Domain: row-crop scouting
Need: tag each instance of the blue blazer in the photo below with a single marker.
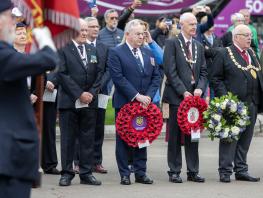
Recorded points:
(127, 77)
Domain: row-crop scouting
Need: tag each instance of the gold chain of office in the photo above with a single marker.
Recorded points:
(249, 67)
(191, 61)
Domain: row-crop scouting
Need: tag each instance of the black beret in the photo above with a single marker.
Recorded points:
(5, 5)
(19, 25)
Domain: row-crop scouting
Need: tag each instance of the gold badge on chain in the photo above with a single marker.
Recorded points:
(253, 73)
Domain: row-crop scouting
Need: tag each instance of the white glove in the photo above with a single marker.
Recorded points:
(43, 38)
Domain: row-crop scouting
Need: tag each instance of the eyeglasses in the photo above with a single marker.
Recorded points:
(246, 35)
(240, 20)
(94, 26)
(112, 18)
(139, 33)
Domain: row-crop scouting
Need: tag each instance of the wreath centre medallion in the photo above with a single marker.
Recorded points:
(193, 115)
(139, 123)
(190, 114)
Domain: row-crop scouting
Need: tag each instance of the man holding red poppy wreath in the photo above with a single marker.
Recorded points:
(185, 68)
(237, 70)
(136, 77)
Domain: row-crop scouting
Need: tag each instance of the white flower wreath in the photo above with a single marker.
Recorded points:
(226, 118)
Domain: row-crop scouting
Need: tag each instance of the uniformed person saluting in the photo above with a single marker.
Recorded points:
(18, 133)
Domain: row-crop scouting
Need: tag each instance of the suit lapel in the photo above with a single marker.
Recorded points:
(240, 60)
(145, 60)
(255, 62)
(195, 66)
(181, 38)
(75, 53)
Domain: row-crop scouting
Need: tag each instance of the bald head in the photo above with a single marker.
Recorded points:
(188, 24)
(242, 36)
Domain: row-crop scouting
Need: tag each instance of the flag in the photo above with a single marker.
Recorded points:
(61, 17)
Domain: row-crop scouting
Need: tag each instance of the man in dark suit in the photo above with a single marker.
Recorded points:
(102, 51)
(49, 160)
(185, 68)
(211, 43)
(19, 148)
(230, 73)
(79, 82)
(136, 77)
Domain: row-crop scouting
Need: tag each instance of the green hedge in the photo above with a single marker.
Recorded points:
(110, 114)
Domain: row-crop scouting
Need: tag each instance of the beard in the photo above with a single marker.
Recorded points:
(8, 33)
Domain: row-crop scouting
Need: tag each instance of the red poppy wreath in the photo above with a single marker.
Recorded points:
(190, 114)
(137, 125)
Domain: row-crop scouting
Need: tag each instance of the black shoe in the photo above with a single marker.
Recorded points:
(246, 177)
(194, 177)
(175, 178)
(90, 180)
(65, 180)
(52, 171)
(143, 179)
(225, 178)
(125, 180)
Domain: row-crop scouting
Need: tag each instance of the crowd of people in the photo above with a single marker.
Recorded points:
(127, 58)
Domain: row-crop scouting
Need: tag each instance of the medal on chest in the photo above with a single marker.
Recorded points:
(249, 68)
(253, 73)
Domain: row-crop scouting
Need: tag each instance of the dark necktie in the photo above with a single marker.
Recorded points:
(92, 44)
(84, 60)
(137, 58)
(188, 50)
(245, 56)
(189, 57)
(80, 47)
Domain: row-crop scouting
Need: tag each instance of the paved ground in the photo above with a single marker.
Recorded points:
(157, 167)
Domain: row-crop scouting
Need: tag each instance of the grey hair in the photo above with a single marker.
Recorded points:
(131, 24)
(108, 12)
(236, 30)
(89, 19)
(236, 16)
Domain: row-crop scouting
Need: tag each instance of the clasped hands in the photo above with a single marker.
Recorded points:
(144, 100)
(86, 97)
(197, 92)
